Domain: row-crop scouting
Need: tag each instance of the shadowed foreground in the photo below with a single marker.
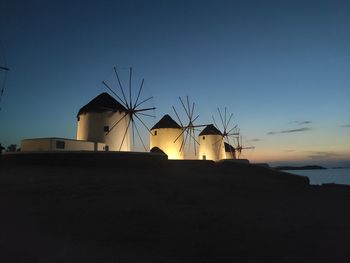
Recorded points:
(177, 212)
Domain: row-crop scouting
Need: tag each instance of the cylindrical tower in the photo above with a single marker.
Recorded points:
(163, 136)
(96, 120)
(211, 144)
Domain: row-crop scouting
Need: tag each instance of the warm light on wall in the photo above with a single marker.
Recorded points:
(164, 139)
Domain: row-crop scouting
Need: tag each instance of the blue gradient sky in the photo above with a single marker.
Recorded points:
(274, 64)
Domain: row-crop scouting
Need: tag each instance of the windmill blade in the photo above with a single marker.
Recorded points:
(143, 124)
(216, 126)
(138, 95)
(218, 141)
(192, 111)
(188, 107)
(229, 120)
(232, 129)
(4, 68)
(116, 123)
(120, 85)
(177, 116)
(183, 143)
(115, 94)
(133, 133)
(183, 105)
(138, 133)
(192, 136)
(130, 74)
(225, 120)
(222, 121)
(195, 119)
(145, 109)
(147, 115)
(126, 130)
(194, 144)
(143, 101)
(183, 130)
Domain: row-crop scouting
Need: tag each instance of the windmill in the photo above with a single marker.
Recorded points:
(240, 147)
(188, 126)
(229, 133)
(135, 109)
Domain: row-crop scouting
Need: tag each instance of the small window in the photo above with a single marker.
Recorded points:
(155, 133)
(60, 144)
(204, 157)
(203, 137)
(106, 148)
(106, 128)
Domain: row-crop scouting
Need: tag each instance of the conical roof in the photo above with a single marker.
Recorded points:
(210, 130)
(229, 148)
(103, 102)
(166, 122)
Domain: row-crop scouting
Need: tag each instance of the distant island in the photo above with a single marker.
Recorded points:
(306, 167)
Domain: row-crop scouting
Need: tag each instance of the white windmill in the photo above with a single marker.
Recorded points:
(114, 121)
(187, 137)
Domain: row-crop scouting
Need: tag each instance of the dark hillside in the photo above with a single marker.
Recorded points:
(173, 212)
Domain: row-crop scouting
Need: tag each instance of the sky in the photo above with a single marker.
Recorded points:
(281, 67)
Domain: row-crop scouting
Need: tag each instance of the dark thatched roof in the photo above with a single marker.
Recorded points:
(103, 102)
(210, 130)
(166, 122)
(229, 148)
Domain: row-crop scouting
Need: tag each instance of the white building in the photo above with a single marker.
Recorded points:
(104, 120)
(59, 144)
(163, 135)
(211, 144)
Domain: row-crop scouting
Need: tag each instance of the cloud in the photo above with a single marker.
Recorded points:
(301, 122)
(289, 131)
(345, 126)
(256, 140)
(322, 155)
(289, 151)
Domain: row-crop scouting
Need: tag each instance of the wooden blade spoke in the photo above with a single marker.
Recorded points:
(116, 123)
(183, 144)
(126, 131)
(111, 90)
(177, 116)
(183, 105)
(195, 119)
(232, 129)
(229, 120)
(143, 124)
(144, 114)
(138, 95)
(138, 133)
(145, 109)
(192, 110)
(130, 74)
(143, 101)
(120, 85)
(183, 130)
(222, 121)
(216, 126)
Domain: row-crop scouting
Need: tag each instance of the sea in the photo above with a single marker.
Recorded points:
(325, 176)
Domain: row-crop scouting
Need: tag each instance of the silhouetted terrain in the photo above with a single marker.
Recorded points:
(306, 167)
(172, 212)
